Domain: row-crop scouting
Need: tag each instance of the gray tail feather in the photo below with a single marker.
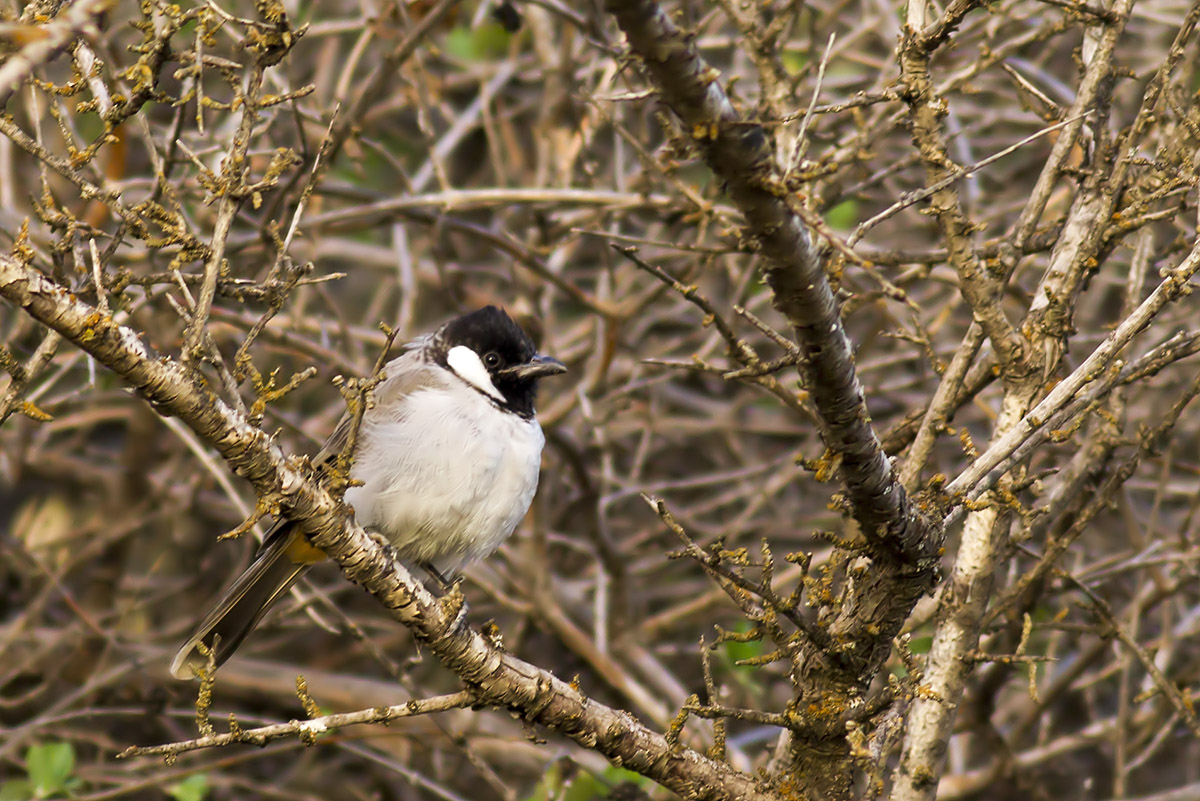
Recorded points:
(239, 608)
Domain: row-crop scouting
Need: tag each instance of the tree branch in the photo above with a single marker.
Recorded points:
(739, 152)
(48, 40)
(498, 679)
(307, 730)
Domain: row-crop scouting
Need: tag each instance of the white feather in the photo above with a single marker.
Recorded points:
(446, 475)
(469, 367)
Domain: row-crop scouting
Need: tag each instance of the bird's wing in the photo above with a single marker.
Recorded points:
(404, 376)
(335, 443)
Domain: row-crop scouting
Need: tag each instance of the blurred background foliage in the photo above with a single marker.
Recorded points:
(489, 165)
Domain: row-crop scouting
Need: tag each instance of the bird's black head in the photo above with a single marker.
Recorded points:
(491, 353)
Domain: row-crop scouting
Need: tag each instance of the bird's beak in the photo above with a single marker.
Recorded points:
(538, 367)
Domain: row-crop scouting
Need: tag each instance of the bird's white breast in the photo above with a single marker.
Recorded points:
(446, 474)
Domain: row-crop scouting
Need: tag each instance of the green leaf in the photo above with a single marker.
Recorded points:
(727, 657)
(843, 216)
(90, 126)
(49, 766)
(193, 788)
(16, 790)
(743, 650)
(550, 785)
(1044, 613)
(614, 776)
(587, 786)
(920, 645)
(583, 784)
(484, 42)
(793, 61)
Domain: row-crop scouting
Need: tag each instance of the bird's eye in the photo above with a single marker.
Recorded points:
(491, 359)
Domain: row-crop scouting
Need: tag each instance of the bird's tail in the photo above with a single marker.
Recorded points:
(284, 557)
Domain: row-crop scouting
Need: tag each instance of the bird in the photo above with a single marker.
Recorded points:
(445, 465)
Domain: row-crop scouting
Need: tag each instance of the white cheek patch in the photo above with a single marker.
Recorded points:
(469, 367)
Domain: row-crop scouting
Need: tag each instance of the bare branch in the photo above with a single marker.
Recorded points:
(496, 678)
(738, 152)
(79, 19)
(309, 730)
